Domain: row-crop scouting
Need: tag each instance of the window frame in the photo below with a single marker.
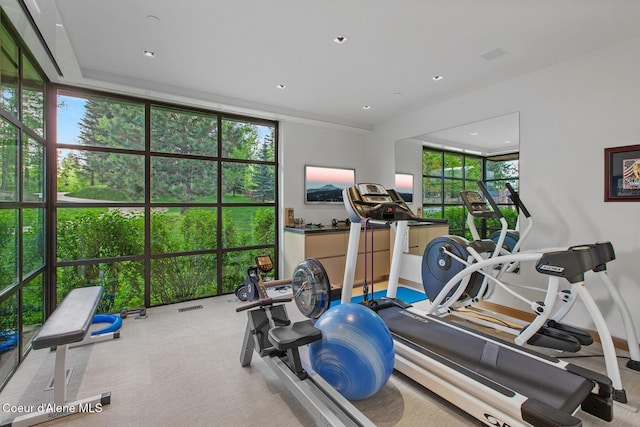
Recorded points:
(147, 205)
(446, 208)
(22, 286)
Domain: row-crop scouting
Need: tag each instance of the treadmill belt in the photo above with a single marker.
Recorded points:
(532, 378)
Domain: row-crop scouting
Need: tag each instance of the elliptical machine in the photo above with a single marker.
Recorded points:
(604, 253)
(450, 292)
(447, 256)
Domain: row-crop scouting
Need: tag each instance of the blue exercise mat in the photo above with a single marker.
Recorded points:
(405, 294)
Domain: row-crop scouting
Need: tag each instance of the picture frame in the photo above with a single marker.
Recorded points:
(622, 174)
(404, 186)
(289, 217)
(325, 184)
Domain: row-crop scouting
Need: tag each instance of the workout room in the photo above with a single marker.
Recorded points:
(319, 213)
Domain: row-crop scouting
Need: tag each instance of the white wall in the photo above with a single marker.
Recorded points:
(303, 144)
(406, 161)
(568, 114)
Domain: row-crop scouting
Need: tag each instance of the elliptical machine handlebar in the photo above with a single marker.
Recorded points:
(489, 198)
(515, 198)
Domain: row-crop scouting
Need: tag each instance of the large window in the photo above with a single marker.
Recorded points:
(159, 203)
(445, 174)
(22, 200)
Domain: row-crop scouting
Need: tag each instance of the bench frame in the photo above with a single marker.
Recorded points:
(68, 324)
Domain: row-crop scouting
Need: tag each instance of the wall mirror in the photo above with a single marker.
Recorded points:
(404, 186)
(492, 136)
(486, 149)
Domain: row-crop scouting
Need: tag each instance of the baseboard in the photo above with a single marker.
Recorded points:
(618, 343)
(411, 284)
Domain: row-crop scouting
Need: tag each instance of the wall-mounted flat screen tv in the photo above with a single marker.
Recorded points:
(404, 186)
(325, 184)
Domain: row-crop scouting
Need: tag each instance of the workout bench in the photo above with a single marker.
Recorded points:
(69, 323)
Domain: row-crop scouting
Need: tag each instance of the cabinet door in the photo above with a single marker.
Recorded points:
(325, 245)
(293, 252)
(417, 240)
(380, 240)
(380, 265)
(334, 266)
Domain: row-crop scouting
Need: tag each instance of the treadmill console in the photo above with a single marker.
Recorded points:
(374, 202)
(374, 193)
(476, 204)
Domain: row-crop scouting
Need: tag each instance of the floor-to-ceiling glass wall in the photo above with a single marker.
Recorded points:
(159, 203)
(22, 199)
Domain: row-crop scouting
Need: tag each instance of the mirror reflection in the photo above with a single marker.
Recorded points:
(454, 159)
(496, 135)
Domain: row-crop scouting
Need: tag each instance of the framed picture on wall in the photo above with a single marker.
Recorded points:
(622, 174)
(404, 186)
(325, 184)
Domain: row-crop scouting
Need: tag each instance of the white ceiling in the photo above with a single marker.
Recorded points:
(492, 136)
(231, 54)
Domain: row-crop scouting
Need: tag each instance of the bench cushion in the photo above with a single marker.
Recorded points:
(71, 320)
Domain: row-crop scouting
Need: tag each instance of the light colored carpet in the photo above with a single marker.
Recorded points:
(182, 368)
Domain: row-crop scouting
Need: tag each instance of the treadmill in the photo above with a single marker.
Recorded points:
(493, 380)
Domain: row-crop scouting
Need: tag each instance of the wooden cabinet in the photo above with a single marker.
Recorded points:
(330, 248)
(419, 235)
(379, 257)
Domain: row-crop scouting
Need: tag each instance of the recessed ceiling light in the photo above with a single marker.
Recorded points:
(340, 39)
(366, 107)
(507, 142)
(473, 133)
(149, 53)
(281, 86)
(437, 77)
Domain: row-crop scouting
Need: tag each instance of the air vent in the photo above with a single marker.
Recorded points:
(193, 307)
(493, 54)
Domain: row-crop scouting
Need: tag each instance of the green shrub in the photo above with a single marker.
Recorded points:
(100, 233)
(100, 192)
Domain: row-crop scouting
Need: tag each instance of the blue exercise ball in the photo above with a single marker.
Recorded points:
(356, 352)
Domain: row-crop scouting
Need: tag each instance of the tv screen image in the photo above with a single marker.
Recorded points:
(404, 186)
(325, 184)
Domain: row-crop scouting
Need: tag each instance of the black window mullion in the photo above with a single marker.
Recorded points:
(220, 195)
(147, 206)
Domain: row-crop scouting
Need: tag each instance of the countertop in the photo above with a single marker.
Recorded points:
(342, 228)
(315, 228)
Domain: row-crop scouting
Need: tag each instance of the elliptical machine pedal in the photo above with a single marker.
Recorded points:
(582, 336)
(554, 338)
